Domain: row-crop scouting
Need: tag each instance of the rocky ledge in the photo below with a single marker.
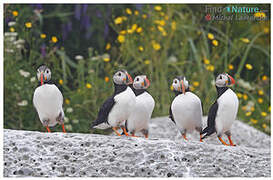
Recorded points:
(164, 154)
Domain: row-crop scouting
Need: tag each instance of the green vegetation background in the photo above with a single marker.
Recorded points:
(84, 44)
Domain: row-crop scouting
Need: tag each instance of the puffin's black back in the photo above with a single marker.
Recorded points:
(107, 106)
(210, 129)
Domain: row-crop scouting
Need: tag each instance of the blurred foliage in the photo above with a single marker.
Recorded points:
(84, 44)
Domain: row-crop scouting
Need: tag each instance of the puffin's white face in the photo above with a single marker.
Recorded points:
(122, 77)
(223, 80)
(180, 84)
(43, 74)
(141, 82)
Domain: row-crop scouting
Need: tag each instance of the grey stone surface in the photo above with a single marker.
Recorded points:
(164, 154)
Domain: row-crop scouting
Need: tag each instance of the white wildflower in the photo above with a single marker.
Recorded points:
(172, 59)
(10, 34)
(245, 85)
(105, 56)
(22, 103)
(78, 57)
(11, 23)
(9, 50)
(19, 41)
(69, 110)
(24, 73)
(75, 121)
(66, 120)
(33, 79)
(68, 127)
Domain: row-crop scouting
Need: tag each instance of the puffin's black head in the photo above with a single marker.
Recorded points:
(43, 74)
(180, 84)
(122, 77)
(223, 80)
(141, 82)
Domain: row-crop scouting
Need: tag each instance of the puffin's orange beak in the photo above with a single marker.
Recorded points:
(147, 82)
(183, 87)
(42, 78)
(129, 79)
(232, 81)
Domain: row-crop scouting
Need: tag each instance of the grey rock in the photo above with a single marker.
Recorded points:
(164, 154)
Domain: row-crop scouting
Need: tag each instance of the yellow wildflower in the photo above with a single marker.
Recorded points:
(147, 62)
(88, 86)
(210, 68)
(245, 40)
(54, 39)
(140, 48)
(269, 108)
(124, 18)
(130, 31)
(28, 24)
(195, 83)
(43, 36)
(160, 28)
(239, 95)
(260, 100)
(215, 42)
(210, 36)
(61, 82)
(248, 113)
(134, 27)
(254, 121)
(252, 109)
(264, 125)
(144, 16)
(156, 46)
(15, 13)
(158, 8)
(261, 92)
(67, 101)
(173, 25)
(121, 38)
(244, 108)
(192, 88)
(206, 61)
(164, 33)
(249, 66)
(106, 59)
(166, 18)
(123, 32)
(245, 97)
(263, 114)
(171, 87)
(266, 30)
(136, 13)
(11, 29)
(230, 67)
(139, 30)
(264, 78)
(128, 11)
(260, 14)
(106, 79)
(118, 20)
(162, 14)
(108, 46)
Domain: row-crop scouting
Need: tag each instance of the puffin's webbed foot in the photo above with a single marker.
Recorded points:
(145, 132)
(116, 131)
(222, 141)
(230, 141)
(184, 136)
(124, 131)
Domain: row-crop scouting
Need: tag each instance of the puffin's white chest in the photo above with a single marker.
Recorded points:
(48, 101)
(124, 104)
(187, 111)
(227, 111)
(142, 112)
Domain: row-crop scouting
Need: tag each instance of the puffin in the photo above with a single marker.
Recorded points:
(223, 111)
(186, 108)
(138, 120)
(116, 109)
(48, 100)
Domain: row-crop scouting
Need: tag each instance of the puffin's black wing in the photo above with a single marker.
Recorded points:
(104, 112)
(210, 129)
(171, 114)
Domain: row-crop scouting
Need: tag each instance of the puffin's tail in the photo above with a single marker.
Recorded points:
(209, 131)
(98, 125)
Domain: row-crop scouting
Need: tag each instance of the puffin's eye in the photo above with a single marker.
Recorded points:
(137, 79)
(119, 74)
(175, 81)
(220, 77)
(47, 71)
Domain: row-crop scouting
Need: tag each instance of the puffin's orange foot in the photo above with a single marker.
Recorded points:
(222, 141)
(48, 130)
(146, 136)
(125, 132)
(184, 136)
(63, 128)
(201, 140)
(230, 141)
(116, 131)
